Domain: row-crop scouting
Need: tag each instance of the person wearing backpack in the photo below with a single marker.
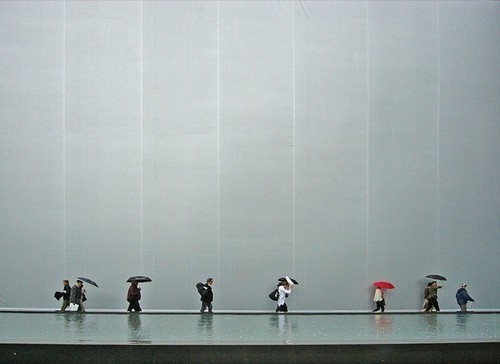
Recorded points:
(284, 289)
(207, 296)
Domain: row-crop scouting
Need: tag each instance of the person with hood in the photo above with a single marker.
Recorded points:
(207, 296)
(133, 297)
(463, 297)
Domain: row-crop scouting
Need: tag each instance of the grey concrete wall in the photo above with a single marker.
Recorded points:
(337, 142)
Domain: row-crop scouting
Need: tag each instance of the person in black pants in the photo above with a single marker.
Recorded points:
(133, 297)
(207, 296)
(378, 298)
(433, 302)
(65, 295)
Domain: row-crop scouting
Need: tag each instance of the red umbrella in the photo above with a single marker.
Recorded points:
(382, 284)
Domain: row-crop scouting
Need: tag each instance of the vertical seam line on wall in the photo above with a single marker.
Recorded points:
(294, 172)
(367, 143)
(141, 131)
(64, 138)
(218, 142)
(438, 137)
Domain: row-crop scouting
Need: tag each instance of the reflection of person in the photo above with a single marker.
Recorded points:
(134, 327)
(378, 298)
(433, 302)
(133, 297)
(463, 297)
(284, 289)
(207, 296)
(65, 295)
(205, 327)
(75, 297)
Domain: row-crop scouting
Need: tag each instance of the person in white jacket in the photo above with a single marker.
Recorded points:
(284, 289)
(378, 298)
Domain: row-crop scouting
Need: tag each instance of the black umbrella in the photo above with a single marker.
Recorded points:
(436, 276)
(283, 279)
(140, 279)
(89, 281)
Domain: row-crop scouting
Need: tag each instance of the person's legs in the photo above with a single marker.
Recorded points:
(203, 306)
(134, 305)
(137, 306)
(65, 305)
(282, 308)
(424, 305)
(436, 305)
(430, 304)
(209, 305)
(463, 308)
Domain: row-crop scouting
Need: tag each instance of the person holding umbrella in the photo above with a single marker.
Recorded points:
(284, 289)
(133, 297)
(378, 298)
(432, 300)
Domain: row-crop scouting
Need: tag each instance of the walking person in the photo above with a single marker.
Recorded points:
(433, 302)
(207, 296)
(463, 297)
(426, 296)
(379, 299)
(133, 297)
(66, 292)
(284, 289)
(75, 297)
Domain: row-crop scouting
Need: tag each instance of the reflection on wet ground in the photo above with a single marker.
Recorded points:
(273, 328)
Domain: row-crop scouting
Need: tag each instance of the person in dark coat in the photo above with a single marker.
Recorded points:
(76, 295)
(463, 297)
(65, 295)
(207, 296)
(133, 297)
(433, 302)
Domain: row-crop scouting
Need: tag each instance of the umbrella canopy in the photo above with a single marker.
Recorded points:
(283, 279)
(89, 281)
(383, 284)
(140, 279)
(436, 276)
